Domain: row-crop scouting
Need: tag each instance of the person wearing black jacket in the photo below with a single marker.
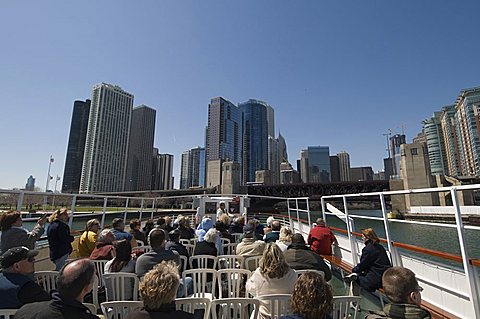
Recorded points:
(298, 256)
(16, 287)
(59, 238)
(373, 262)
(74, 282)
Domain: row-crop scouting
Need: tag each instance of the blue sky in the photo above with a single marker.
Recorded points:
(338, 73)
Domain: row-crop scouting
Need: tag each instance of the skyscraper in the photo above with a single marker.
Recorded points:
(30, 186)
(255, 138)
(344, 166)
(451, 141)
(223, 138)
(106, 148)
(192, 172)
(139, 161)
(318, 164)
(435, 144)
(282, 149)
(270, 120)
(76, 147)
(396, 141)
(334, 169)
(273, 160)
(162, 171)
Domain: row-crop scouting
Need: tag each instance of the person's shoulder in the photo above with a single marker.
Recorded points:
(32, 310)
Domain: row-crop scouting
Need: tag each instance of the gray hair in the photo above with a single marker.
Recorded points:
(211, 236)
(102, 237)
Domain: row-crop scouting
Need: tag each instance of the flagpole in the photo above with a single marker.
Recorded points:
(48, 173)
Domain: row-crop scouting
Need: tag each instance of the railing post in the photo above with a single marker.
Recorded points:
(298, 214)
(308, 212)
(153, 208)
(396, 261)
(125, 212)
(105, 200)
(324, 216)
(141, 210)
(468, 268)
(20, 201)
(72, 209)
(289, 214)
(353, 244)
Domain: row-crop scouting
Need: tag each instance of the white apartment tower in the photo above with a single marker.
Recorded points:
(106, 146)
(344, 164)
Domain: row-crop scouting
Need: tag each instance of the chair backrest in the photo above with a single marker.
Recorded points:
(7, 313)
(341, 307)
(203, 261)
(235, 308)
(95, 292)
(119, 309)
(278, 305)
(185, 241)
(140, 242)
(191, 304)
(300, 272)
(121, 286)
(46, 279)
(231, 282)
(230, 249)
(204, 282)
(230, 261)
(100, 269)
(237, 236)
(190, 248)
(224, 241)
(252, 262)
(183, 263)
(91, 307)
(146, 249)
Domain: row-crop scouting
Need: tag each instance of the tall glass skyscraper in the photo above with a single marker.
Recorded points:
(318, 164)
(76, 147)
(105, 161)
(255, 138)
(435, 144)
(192, 172)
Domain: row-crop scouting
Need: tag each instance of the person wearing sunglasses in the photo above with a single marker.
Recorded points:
(402, 289)
(16, 286)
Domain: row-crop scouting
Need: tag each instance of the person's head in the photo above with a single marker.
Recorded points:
(311, 297)
(123, 250)
(149, 224)
(168, 220)
(369, 234)
(298, 239)
(269, 221)
(401, 286)
(160, 221)
(9, 219)
(19, 260)
(220, 226)
(156, 238)
(92, 225)
(159, 286)
(60, 214)
(272, 263)
(222, 205)
(285, 234)
(224, 219)
(118, 224)
(106, 236)
(320, 222)
(135, 224)
(203, 227)
(249, 230)
(211, 236)
(174, 235)
(276, 225)
(76, 279)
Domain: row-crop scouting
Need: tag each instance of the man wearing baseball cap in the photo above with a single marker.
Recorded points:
(16, 287)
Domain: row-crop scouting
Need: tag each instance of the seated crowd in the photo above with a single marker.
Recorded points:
(281, 253)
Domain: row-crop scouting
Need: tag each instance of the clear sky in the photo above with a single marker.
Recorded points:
(338, 73)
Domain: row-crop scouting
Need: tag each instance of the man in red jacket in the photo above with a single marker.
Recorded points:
(321, 238)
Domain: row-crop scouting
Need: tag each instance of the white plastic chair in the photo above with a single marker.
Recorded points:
(144, 248)
(302, 271)
(233, 282)
(100, 269)
(230, 249)
(277, 304)
(224, 241)
(95, 292)
(202, 287)
(203, 261)
(252, 262)
(7, 313)
(116, 286)
(91, 307)
(185, 241)
(235, 308)
(341, 307)
(190, 248)
(119, 309)
(183, 263)
(237, 237)
(140, 242)
(191, 304)
(230, 261)
(46, 279)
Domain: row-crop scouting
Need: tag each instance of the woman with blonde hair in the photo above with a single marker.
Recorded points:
(273, 276)
(88, 239)
(373, 262)
(59, 238)
(285, 238)
(312, 298)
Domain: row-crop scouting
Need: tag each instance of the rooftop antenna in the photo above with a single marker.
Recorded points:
(387, 136)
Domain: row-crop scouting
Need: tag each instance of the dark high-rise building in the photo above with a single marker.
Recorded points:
(192, 173)
(30, 186)
(318, 164)
(255, 138)
(139, 161)
(364, 173)
(334, 168)
(162, 171)
(76, 147)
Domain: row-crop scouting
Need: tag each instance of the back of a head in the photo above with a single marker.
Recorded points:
(273, 264)
(270, 221)
(156, 237)
(298, 239)
(159, 286)
(370, 234)
(160, 221)
(398, 283)
(174, 235)
(134, 223)
(123, 250)
(7, 219)
(312, 297)
(211, 236)
(285, 234)
(320, 222)
(106, 236)
(117, 223)
(74, 277)
(276, 225)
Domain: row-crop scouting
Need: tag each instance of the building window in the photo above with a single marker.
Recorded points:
(413, 151)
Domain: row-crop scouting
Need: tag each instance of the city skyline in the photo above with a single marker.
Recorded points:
(337, 74)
